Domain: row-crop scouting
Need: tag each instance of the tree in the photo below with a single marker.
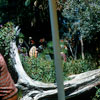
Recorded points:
(82, 20)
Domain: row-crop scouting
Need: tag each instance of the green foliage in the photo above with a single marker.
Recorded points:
(78, 66)
(63, 47)
(39, 69)
(20, 35)
(20, 94)
(6, 36)
(44, 70)
(83, 17)
(27, 2)
(80, 19)
(97, 94)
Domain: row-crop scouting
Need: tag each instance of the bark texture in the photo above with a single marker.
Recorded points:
(36, 90)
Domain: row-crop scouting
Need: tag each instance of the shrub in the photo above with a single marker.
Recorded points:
(97, 94)
(78, 66)
(44, 70)
(38, 68)
(6, 36)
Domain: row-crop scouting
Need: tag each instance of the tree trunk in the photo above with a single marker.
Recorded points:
(70, 48)
(75, 52)
(35, 90)
(82, 47)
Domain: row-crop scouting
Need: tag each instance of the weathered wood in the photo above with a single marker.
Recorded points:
(23, 77)
(36, 90)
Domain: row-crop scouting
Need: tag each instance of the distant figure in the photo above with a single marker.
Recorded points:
(33, 52)
(31, 42)
(43, 42)
(63, 56)
(8, 91)
(40, 48)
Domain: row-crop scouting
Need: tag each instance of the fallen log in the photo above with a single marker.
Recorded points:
(37, 90)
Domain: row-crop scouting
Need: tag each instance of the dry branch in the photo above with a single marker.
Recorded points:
(36, 90)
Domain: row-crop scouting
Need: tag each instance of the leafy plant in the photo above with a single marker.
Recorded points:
(44, 70)
(38, 68)
(7, 34)
(80, 23)
(97, 94)
(20, 94)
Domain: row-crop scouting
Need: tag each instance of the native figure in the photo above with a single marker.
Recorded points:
(33, 52)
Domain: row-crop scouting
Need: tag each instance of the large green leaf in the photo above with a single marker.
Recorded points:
(27, 2)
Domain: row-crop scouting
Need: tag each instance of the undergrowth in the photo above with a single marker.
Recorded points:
(43, 70)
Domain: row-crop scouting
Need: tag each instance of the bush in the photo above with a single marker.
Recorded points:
(97, 94)
(38, 68)
(44, 70)
(6, 36)
(78, 66)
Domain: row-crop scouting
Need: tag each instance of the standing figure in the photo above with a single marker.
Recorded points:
(33, 52)
(8, 91)
(31, 42)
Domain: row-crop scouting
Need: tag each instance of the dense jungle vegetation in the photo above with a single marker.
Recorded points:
(79, 31)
